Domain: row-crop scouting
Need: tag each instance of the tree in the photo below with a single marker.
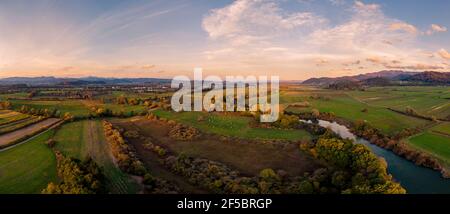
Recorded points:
(315, 113)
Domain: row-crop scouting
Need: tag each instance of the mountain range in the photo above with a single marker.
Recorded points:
(386, 77)
(49, 80)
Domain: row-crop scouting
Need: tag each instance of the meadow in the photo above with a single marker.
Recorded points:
(28, 167)
(89, 141)
(248, 158)
(349, 108)
(231, 125)
(429, 101)
(74, 107)
(433, 143)
(7, 117)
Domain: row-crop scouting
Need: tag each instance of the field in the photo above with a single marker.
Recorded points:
(5, 139)
(443, 128)
(78, 108)
(75, 107)
(27, 168)
(433, 143)
(89, 141)
(231, 125)
(249, 158)
(429, 101)
(349, 105)
(345, 106)
(8, 117)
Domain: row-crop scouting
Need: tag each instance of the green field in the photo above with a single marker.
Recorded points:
(78, 108)
(75, 107)
(86, 138)
(443, 128)
(436, 144)
(70, 139)
(27, 168)
(230, 125)
(346, 107)
(7, 116)
(428, 101)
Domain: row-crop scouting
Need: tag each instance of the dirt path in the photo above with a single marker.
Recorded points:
(151, 161)
(98, 149)
(18, 134)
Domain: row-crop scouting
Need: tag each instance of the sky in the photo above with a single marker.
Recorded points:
(293, 39)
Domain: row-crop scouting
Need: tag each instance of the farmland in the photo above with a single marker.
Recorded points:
(231, 125)
(13, 136)
(28, 167)
(249, 158)
(430, 101)
(75, 107)
(90, 142)
(347, 107)
(232, 141)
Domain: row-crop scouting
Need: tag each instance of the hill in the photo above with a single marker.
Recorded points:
(41, 81)
(383, 78)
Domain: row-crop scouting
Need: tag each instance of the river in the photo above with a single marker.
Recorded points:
(415, 179)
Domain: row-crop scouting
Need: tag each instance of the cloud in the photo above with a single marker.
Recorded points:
(337, 2)
(252, 19)
(415, 67)
(434, 28)
(260, 34)
(444, 54)
(403, 27)
(360, 6)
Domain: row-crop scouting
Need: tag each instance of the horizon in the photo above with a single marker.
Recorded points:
(190, 76)
(293, 39)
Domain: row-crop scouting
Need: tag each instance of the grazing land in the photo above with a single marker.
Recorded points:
(429, 101)
(248, 157)
(349, 108)
(434, 143)
(28, 167)
(236, 140)
(89, 141)
(7, 138)
(231, 125)
(75, 107)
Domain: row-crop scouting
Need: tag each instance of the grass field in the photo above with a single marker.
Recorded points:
(71, 140)
(27, 168)
(346, 107)
(249, 158)
(443, 128)
(429, 101)
(231, 125)
(13, 96)
(7, 116)
(86, 138)
(75, 107)
(436, 144)
(28, 131)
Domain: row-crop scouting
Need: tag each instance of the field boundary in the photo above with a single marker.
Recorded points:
(29, 137)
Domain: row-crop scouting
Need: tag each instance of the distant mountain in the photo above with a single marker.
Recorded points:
(29, 80)
(40, 81)
(430, 77)
(383, 78)
(377, 81)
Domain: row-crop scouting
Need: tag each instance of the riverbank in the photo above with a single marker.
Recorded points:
(415, 179)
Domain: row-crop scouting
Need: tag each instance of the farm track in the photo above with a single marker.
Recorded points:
(98, 149)
(12, 123)
(156, 168)
(7, 138)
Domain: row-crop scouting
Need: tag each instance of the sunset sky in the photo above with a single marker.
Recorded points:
(295, 39)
